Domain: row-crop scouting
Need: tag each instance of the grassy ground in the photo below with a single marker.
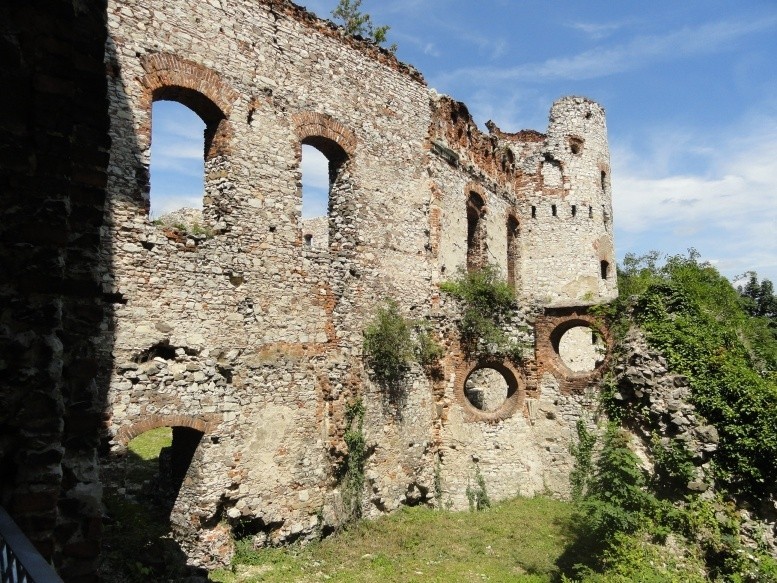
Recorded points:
(517, 540)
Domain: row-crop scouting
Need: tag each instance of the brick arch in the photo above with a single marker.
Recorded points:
(165, 71)
(169, 77)
(478, 189)
(129, 432)
(318, 128)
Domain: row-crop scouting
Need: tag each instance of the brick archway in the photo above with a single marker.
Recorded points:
(164, 70)
(310, 126)
(129, 432)
(202, 90)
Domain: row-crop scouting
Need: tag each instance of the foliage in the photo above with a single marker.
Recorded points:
(758, 298)
(427, 350)
(477, 496)
(391, 344)
(582, 451)
(695, 318)
(355, 22)
(488, 301)
(674, 466)
(353, 481)
(617, 500)
(388, 344)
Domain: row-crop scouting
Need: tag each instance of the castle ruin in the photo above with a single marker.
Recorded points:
(248, 341)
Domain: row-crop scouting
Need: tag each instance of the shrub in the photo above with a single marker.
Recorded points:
(388, 344)
(488, 303)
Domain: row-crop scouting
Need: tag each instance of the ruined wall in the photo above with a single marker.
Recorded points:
(53, 160)
(248, 335)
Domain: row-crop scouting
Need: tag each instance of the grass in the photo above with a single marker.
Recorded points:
(516, 540)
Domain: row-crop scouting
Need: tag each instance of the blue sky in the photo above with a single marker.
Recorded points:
(690, 90)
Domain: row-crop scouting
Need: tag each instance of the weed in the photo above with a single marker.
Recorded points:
(477, 496)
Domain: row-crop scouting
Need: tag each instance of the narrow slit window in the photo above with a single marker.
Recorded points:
(554, 210)
(512, 248)
(476, 235)
(590, 212)
(574, 210)
(534, 212)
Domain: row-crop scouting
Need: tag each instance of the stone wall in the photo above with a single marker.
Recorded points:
(53, 160)
(244, 332)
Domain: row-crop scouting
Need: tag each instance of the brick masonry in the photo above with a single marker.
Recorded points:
(255, 339)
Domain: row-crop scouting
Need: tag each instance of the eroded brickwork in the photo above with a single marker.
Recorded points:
(254, 338)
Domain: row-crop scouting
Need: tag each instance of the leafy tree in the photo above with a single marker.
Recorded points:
(758, 298)
(355, 22)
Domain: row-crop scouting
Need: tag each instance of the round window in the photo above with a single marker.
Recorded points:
(582, 349)
(486, 389)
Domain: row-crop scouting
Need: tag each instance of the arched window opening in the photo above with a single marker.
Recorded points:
(177, 169)
(476, 232)
(486, 389)
(512, 248)
(323, 192)
(604, 269)
(582, 349)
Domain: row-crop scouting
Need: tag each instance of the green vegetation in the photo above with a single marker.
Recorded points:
(392, 343)
(355, 22)
(488, 303)
(650, 528)
(353, 480)
(698, 321)
(477, 495)
(518, 540)
(388, 344)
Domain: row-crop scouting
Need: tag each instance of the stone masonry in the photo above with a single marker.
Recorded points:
(252, 337)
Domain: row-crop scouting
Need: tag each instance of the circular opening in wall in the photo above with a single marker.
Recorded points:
(487, 389)
(582, 349)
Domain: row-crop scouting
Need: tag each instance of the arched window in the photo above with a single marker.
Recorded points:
(512, 248)
(324, 194)
(476, 232)
(604, 268)
(177, 168)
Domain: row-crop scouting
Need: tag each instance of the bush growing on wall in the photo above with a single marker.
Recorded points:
(488, 303)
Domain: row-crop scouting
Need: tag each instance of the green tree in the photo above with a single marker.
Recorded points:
(355, 22)
(758, 297)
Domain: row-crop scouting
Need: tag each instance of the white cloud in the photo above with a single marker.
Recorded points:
(728, 212)
(596, 30)
(607, 60)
